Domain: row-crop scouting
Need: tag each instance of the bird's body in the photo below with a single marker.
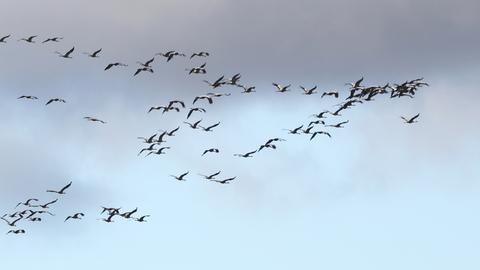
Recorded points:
(67, 54)
(181, 177)
(55, 100)
(91, 119)
(246, 155)
(410, 120)
(61, 191)
(75, 216)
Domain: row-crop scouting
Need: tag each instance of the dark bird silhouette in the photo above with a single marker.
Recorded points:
(142, 218)
(281, 88)
(61, 191)
(198, 70)
(94, 54)
(181, 177)
(4, 38)
(339, 125)
(246, 155)
(320, 115)
(29, 39)
(210, 127)
(411, 120)
(91, 119)
(310, 91)
(149, 148)
(55, 100)
(35, 219)
(172, 132)
(75, 216)
(157, 108)
(356, 85)
(147, 64)
(45, 206)
(128, 215)
(295, 130)
(12, 223)
(144, 69)
(16, 231)
(194, 125)
(219, 82)
(27, 202)
(54, 39)
(110, 210)
(211, 150)
(67, 54)
(159, 151)
(224, 181)
(316, 122)
(211, 176)
(207, 97)
(332, 93)
(248, 89)
(110, 218)
(171, 103)
(195, 110)
(150, 139)
(318, 133)
(170, 54)
(109, 66)
(27, 97)
(234, 80)
(200, 54)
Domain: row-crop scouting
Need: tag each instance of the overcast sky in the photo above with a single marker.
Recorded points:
(378, 195)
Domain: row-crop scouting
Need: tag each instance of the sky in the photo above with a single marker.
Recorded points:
(379, 194)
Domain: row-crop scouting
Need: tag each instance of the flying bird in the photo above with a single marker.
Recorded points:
(181, 177)
(310, 91)
(67, 54)
(54, 39)
(12, 223)
(142, 218)
(159, 151)
(75, 216)
(27, 202)
(109, 66)
(281, 88)
(211, 150)
(207, 97)
(143, 70)
(91, 119)
(55, 100)
(16, 231)
(147, 63)
(246, 155)
(27, 97)
(61, 191)
(200, 54)
(339, 125)
(4, 38)
(211, 176)
(94, 54)
(195, 110)
(28, 39)
(224, 181)
(411, 120)
(210, 127)
(45, 206)
(318, 133)
(194, 125)
(332, 93)
(295, 130)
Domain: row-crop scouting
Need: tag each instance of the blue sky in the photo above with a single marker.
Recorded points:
(378, 195)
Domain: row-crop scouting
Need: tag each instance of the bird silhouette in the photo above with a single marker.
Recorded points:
(67, 54)
(181, 177)
(75, 216)
(95, 54)
(410, 120)
(61, 191)
(55, 100)
(246, 155)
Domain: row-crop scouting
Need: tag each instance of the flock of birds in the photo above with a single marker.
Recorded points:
(36, 211)
(154, 144)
